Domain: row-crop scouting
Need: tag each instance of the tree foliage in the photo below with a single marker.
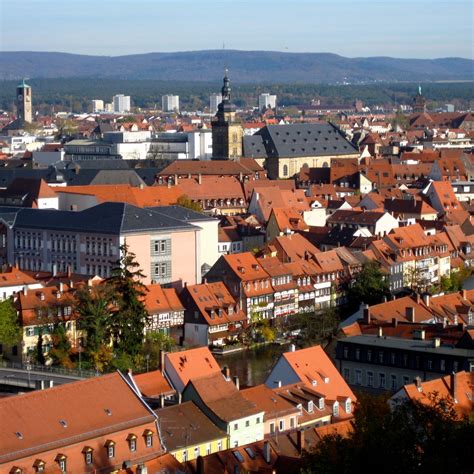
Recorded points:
(130, 315)
(10, 329)
(185, 201)
(410, 437)
(370, 285)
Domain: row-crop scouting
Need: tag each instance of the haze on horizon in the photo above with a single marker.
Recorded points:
(401, 28)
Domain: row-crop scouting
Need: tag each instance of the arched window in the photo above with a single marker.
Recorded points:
(285, 170)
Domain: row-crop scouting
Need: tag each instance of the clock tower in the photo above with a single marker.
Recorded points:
(23, 102)
(227, 133)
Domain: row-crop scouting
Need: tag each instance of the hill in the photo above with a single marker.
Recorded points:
(245, 66)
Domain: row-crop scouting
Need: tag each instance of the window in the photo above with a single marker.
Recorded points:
(148, 438)
(236, 444)
(281, 425)
(197, 452)
(110, 446)
(347, 374)
(442, 365)
(369, 355)
(88, 456)
(394, 382)
(258, 420)
(358, 377)
(370, 379)
(185, 455)
(247, 423)
(381, 357)
(132, 443)
(348, 406)
(357, 354)
(392, 358)
(292, 422)
(236, 426)
(272, 427)
(406, 380)
(61, 460)
(335, 409)
(219, 445)
(382, 380)
(208, 449)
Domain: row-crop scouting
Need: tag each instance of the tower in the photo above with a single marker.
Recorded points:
(419, 102)
(227, 133)
(23, 102)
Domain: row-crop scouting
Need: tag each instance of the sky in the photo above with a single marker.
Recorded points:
(353, 28)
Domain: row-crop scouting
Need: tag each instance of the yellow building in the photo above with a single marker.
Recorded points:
(187, 432)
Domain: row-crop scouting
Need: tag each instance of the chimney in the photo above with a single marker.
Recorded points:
(25, 290)
(69, 273)
(266, 452)
(379, 331)
(418, 298)
(55, 270)
(300, 441)
(180, 398)
(384, 299)
(199, 178)
(236, 382)
(292, 348)
(410, 313)
(418, 383)
(61, 287)
(162, 401)
(257, 196)
(142, 469)
(454, 385)
(367, 314)
(426, 299)
(226, 372)
(162, 362)
(394, 322)
(200, 468)
(278, 383)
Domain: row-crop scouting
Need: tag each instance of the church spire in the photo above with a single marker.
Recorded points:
(226, 87)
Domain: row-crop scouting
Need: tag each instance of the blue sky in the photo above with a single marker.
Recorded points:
(401, 28)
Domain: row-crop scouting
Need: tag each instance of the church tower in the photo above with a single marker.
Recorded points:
(23, 102)
(419, 103)
(227, 133)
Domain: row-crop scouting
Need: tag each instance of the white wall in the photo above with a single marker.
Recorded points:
(48, 203)
(208, 239)
(76, 202)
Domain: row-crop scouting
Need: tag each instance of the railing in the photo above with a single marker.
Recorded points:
(78, 373)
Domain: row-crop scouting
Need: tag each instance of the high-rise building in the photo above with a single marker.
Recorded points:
(97, 106)
(227, 133)
(121, 103)
(24, 102)
(266, 101)
(170, 103)
(214, 100)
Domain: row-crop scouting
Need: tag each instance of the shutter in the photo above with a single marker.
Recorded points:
(168, 269)
(168, 246)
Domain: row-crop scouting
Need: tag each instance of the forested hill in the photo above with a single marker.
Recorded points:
(245, 67)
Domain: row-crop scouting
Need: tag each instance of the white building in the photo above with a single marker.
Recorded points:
(97, 106)
(266, 101)
(200, 144)
(214, 100)
(121, 103)
(170, 103)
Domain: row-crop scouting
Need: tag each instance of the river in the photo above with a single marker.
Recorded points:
(252, 365)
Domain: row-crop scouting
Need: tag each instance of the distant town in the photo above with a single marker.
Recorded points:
(236, 288)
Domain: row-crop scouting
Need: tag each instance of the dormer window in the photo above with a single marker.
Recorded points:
(310, 406)
(39, 465)
(348, 406)
(132, 442)
(88, 456)
(62, 462)
(321, 403)
(110, 446)
(335, 409)
(148, 435)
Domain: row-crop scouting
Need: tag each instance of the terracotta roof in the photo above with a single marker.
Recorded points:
(31, 423)
(463, 395)
(271, 197)
(246, 266)
(15, 277)
(212, 167)
(293, 247)
(288, 218)
(152, 384)
(222, 397)
(313, 365)
(161, 300)
(267, 400)
(186, 425)
(192, 363)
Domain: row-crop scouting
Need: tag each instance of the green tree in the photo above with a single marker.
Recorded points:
(60, 352)
(39, 351)
(130, 316)
(409, 437)
(185, 201)
(94, 317)
(10, 329)
(370, 285)
(155, 342)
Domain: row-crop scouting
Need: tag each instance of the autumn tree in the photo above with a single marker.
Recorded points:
(185, 201)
